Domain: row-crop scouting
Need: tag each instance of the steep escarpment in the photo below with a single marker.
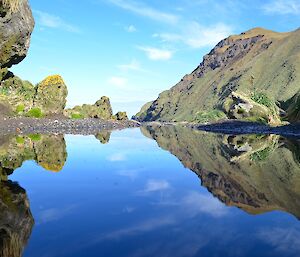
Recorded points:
(255, 173)
(259, 65)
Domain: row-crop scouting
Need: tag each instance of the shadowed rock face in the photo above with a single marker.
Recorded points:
(254, 173)
(16, 221)
(16, 26)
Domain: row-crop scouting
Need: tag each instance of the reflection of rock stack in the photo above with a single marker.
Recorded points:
(103, 137)
(16, 221)
(51, 152)
(254, 173)
(48, 151)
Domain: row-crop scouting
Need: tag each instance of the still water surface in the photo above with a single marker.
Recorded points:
(160, 191)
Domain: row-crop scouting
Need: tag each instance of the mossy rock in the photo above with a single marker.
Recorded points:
(100, 110)
(51, 95)
(121, 116)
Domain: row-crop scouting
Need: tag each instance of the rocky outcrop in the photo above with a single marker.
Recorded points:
(256, 107)
(257, 173)
(257, 60)
(51, 95)
(121, 116)
(100, 110)
(16, 26)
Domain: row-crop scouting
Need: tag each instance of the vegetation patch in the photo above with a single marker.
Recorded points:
(214, 115)
(76, 116)
(35, 113)
(20, 108)
(35, 137)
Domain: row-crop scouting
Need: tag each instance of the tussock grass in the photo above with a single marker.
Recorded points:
(12, 5)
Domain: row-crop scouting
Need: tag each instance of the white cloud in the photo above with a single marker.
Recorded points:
(131, 29)
(117, 157)
(156, 185)
(196, 36)
(134, 65)
(118, 82)
(54, 22)
(146, 11)
(282, 7)
(157, 54)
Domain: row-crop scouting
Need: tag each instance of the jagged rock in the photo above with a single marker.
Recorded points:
(100, 110)
(51, 95)
(121, 116)
(16, 26)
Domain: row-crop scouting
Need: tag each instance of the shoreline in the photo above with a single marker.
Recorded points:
(89, 126)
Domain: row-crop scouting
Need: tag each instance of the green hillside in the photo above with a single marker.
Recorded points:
(259, 66)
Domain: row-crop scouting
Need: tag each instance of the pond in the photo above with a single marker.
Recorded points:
(150, 191)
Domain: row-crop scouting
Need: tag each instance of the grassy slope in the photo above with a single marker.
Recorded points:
(274, 71)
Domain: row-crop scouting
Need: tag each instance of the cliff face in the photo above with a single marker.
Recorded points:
(16, 26)
(254, 173)
(258, 61)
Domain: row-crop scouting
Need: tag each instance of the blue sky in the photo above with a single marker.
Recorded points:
(132, 50)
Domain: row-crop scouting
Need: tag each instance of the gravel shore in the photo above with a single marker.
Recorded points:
(61, 126)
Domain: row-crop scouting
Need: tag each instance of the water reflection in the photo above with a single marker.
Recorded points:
(255, 173)
(48, 151)
(16, 221)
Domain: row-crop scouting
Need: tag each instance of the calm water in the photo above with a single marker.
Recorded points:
(185, 193)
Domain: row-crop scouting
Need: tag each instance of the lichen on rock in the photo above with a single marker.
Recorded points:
(51, 95)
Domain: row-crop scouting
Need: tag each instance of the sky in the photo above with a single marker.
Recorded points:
(132, 50)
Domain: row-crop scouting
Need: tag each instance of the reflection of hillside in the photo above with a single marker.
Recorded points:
(49, 151)
(255, 173)
(16, 221)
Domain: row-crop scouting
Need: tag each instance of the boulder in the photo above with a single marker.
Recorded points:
(51, 96)
(16, 26)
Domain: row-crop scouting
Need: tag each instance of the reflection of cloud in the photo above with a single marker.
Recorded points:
(117, 157)
(156, 185)
(130, 173)
(196, 203)
(145, 226)
(54, 214)
(282, 239)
